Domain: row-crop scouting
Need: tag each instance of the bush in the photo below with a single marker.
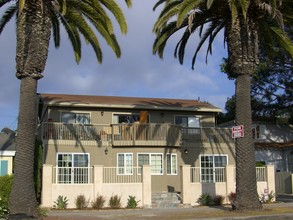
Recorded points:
(5, 186)
(81, 202)
(205, 200)
(43, 212)
(131, 202)
(4, 210)
(61, 202)
(218, 200)
(267, 198)
(232, 199)
(99, 202)
(115, 202)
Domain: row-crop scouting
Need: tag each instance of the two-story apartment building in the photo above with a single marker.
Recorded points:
(81, 132)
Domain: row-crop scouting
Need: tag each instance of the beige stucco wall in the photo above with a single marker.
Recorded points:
(160, 182)
(105, 115)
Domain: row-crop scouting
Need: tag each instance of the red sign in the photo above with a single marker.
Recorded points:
(238, 131)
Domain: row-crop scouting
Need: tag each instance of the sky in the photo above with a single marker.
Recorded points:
(138, 73)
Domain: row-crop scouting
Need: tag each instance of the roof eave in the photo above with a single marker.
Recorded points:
(150, 107)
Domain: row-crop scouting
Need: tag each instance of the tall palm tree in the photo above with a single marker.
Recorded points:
(243, 22)
(36, 21)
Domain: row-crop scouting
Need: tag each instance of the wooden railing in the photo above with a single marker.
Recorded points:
(149, 134)
(117, 134)
(211, 134)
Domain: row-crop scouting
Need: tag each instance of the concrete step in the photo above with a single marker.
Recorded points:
(165, 199)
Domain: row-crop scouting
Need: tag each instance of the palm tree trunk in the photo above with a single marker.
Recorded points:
(23, 201)
(243, 57)
(33, 37)
(246, 185)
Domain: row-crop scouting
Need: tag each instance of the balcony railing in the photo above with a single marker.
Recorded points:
(211, 135)
(117, 134)
(149, 134)
(218, 174)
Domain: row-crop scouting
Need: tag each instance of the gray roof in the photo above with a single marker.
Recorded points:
(7, 141)
(127, 102)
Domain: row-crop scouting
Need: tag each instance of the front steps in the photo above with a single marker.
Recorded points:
(165, 200)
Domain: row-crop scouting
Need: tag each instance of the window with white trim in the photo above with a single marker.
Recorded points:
(212, 168)
(3, 167)
(72, 168)
(171, 164)
(152, 159)
(75, 118)
(190, 124)
(128, 118)
(125, 164)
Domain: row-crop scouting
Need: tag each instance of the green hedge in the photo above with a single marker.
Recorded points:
(5, 187)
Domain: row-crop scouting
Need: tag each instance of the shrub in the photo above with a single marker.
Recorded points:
(232, 199)
(115, 202)
(99, 202)
(81, 202)
(4, 210)
(205, 200)
(218, 200)
(131, 202)
(5, 186)
(43, 212)
(267, 199)
(61, 202)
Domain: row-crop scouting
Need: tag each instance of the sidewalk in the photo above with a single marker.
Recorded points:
(270, 211)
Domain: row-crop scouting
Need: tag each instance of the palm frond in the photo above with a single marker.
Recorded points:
(283, 40)
(167, 13)
(8, 14)
(128, 3)
(3, 2)
(73, 35)
(162, 37)
(186, 7)
(113, 7)
(87, 32)
(159, 3)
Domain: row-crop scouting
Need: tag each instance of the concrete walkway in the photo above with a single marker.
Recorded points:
(272, 211)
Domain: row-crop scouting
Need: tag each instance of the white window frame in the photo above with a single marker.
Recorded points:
(172, 171)
(72, 168)
(125, 166)
(150, 163)
(189, 116)
(213, 167)
(76, 113)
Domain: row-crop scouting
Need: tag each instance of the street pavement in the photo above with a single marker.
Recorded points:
(284, 203)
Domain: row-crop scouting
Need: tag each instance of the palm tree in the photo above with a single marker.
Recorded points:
(243, 22)
(36, 21)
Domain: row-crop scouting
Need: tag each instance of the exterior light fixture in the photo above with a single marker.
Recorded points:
(106, 151)
(102, 113)
(186, 151)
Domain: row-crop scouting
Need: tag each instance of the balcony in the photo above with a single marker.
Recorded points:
(149, 134)
(116, 134)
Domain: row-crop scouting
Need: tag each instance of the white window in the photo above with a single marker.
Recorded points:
(171, 164)
(154, 160)
(3, 167)
(125, 164)
(127, 118)
(72, 168)
(212, 168)
(190, 124)
(75, 118)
